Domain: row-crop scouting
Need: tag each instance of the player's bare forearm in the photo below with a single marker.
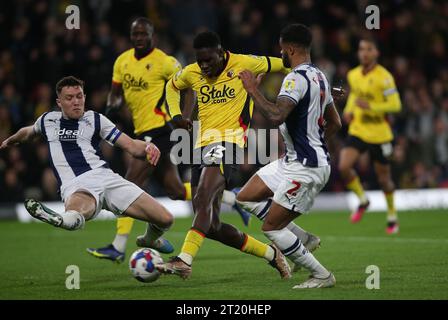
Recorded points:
(113, 101)
(347, 117)
(150, 151)
(331, 129)
(276, 113)
(135, 148)
(23, 135)
(267, 108)
(188, 101)
(332, 121)
(139, 149)
(115, 97)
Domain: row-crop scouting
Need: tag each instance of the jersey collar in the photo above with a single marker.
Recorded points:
(369, 71)
(150, 51)
(303, 64)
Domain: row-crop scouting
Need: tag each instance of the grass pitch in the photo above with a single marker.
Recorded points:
(413, 264)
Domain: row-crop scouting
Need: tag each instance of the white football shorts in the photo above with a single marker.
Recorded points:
(110, 190)
(294, 186)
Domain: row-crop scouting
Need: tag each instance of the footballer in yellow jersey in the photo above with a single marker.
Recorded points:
(224, 112)
(377, 87)
(373, 94)
(139, 79)
(223, 104)
(143, 83)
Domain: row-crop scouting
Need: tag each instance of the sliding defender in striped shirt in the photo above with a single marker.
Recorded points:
(86, 183)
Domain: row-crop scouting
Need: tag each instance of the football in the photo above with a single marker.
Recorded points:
(142, 264)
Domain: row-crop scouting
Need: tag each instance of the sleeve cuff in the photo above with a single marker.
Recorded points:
(177, 117)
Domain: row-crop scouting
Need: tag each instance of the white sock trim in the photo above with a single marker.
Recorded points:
(292, 247)
(284, 239)
(270, 254)
(120, 242)
(259, 209)
(185, 257)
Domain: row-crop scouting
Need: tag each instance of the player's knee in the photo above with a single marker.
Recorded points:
(167, 220)
(241, 197)
(268, 226)
(385, 182)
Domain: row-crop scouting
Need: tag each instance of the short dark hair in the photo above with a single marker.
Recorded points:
(371, 39)
(207, 39)
(69, 81)
(297, 34)
(143, 20)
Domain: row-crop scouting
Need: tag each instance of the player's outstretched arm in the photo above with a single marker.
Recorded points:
(24, 134)
(277, 65)
(391, 103)
(391, 99)
(139, 149)
(114, 98)
(173, 106)
(172, 99)
(188, 102)
(332, 121)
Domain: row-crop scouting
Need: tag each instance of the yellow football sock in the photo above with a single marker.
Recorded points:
(193, 241)
(356, 186)
(124, 225)
(187, 186)
(254, 247)
(391, 212)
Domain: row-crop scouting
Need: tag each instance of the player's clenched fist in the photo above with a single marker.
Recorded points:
(152, 154)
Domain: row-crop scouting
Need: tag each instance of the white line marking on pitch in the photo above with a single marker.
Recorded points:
(384, 239)
(351, 238)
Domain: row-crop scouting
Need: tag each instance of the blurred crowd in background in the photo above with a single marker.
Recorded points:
(36, 50)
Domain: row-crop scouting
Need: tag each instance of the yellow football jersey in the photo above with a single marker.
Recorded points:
(378, 88)
(143, 82)
(224, 107)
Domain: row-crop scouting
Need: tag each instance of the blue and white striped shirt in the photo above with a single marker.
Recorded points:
(74, 144)
(303, 129)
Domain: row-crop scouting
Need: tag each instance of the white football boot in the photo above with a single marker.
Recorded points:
(313, 283)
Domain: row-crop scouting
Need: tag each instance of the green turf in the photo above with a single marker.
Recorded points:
(413, 265)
